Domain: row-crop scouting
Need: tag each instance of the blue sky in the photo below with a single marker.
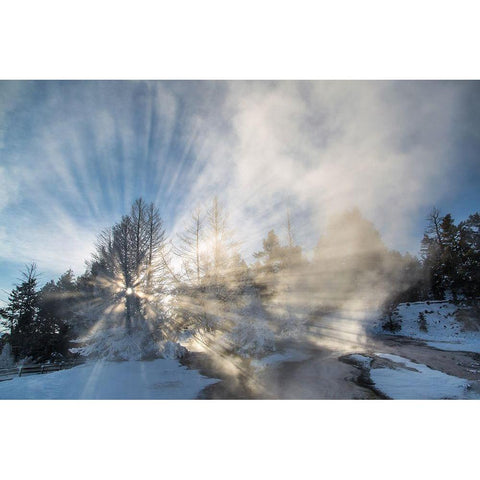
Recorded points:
(74, 154)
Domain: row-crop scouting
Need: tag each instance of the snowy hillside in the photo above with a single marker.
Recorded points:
(443, 329)
(158, 379)
(401, 379)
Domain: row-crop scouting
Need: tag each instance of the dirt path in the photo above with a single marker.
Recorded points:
(460, 364)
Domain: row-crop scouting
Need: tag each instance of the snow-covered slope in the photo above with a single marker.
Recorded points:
(157, 379)
(443, 330)
(409, 380)
(402, 379)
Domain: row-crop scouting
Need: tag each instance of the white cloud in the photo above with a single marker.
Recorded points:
(8, 188)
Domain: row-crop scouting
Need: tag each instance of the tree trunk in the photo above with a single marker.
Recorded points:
(128, 322)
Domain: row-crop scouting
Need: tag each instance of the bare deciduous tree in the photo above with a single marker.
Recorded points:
(189, 248)
(130, 254)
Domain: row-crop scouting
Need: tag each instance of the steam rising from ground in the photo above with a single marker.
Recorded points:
(318, 149)
(313, 148)
(76, 154)
(323, 147)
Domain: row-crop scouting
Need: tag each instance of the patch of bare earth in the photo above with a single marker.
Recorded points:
(460, 364)
(469, 318)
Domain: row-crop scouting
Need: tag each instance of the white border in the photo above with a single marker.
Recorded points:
(251, 39)
(239, 439)
(230, 40)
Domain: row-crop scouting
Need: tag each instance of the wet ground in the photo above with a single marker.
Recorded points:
(325, 374)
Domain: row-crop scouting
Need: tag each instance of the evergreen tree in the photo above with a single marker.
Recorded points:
(37, 319)
(451, 256)
(21, 315)
(57, 314)
(393, 321)
(431, 254)
(271, 255)
(422, 322)
(279, 268)
(437, 253)
(469, 270)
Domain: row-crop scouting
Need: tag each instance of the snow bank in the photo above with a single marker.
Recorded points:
(443, 330)
(415, 381)
(361, 360)
(157, 379)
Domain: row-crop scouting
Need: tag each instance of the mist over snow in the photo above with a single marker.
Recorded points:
(277, 237)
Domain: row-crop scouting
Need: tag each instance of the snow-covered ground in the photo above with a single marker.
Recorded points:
(409, 380)
(403, 379)
(443, 330)
(157, 379)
